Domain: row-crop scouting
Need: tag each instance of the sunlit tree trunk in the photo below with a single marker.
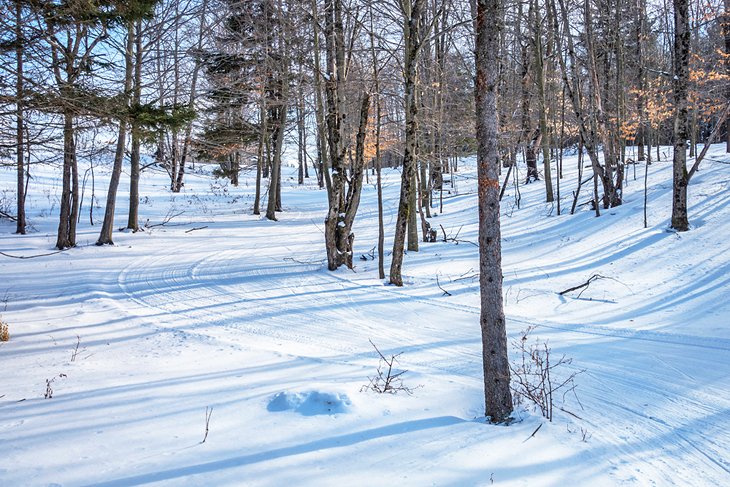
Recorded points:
(498, 398)
(680, 79)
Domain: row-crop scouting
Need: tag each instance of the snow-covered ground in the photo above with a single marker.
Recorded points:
(241, 317)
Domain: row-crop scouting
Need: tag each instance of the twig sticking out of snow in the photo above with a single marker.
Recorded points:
(533, 433)
(208, 414)
(388, 380)
(446, 293)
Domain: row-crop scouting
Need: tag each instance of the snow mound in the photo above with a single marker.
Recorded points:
(310, 403)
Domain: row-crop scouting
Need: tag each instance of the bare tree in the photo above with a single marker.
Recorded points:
(107, 227)
(680, 79)
(498, 397)
(411, 12)
(20, 123)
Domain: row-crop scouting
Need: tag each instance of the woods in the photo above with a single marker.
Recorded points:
(351, 87)
(238, 82)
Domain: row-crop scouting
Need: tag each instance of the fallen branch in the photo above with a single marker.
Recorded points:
(164, 222)
(455, 238)
(571, 413)
(8, 216)
(534, 432)
(306, 262)
(594, 277)
(369, 256)
(196, 228)
(31, 256)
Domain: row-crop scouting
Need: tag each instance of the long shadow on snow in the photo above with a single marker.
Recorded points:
(70, 402)
(313, 446)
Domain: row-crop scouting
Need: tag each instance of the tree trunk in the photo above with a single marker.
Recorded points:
(378, 162)
(498, 398)
(641, 136)
(319, 110)
(726, 35)
(19, 105)
(133, 218)
(260, 156)
(335, 96)
(273, 203)
(107, 226)
(187, 141)
(540, 68)
(680, 221)
(67, 218)
(411, 18)
(345, 238)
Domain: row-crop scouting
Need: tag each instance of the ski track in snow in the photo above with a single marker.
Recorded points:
(655, 398)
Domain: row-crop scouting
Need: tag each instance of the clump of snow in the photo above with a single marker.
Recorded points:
(310, 403)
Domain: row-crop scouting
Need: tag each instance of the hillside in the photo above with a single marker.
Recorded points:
(221, 309)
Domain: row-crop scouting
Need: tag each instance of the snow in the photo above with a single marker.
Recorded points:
(241, 315)
(310, 403)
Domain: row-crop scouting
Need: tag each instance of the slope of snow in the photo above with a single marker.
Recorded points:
(225, 310)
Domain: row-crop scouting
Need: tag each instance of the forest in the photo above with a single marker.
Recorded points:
(418, 229)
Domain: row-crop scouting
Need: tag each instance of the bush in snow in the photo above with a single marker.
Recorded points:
(4, 331)
(387, 379)
(532, 375)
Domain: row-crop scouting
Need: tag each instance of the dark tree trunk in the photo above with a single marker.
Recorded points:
(69, 193)
(133, 218)
(531, 149)
(260, 163)
(641, 136)
(274, 202)
(726, 35)
(301, 137)
(544, 136)
(19, 105)
(498, 398)
(680, 221)
(178, 179)
(411, 22)
(345, 238)
(378, 161)
(335, 97)
(107, 227)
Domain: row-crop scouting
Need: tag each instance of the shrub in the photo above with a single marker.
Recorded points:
(4, 331)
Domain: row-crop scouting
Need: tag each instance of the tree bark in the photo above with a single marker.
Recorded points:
(133, 216)
(19, 106)
(411, 10)
(498, 398)
(540, 68)
(273, 204)
(260, 155)
(107, 226)
(378, 162)
(680, 80)
(726, 36)
(335, 96)
(69, 193)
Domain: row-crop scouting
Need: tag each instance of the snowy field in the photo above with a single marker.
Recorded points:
(225, 310)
